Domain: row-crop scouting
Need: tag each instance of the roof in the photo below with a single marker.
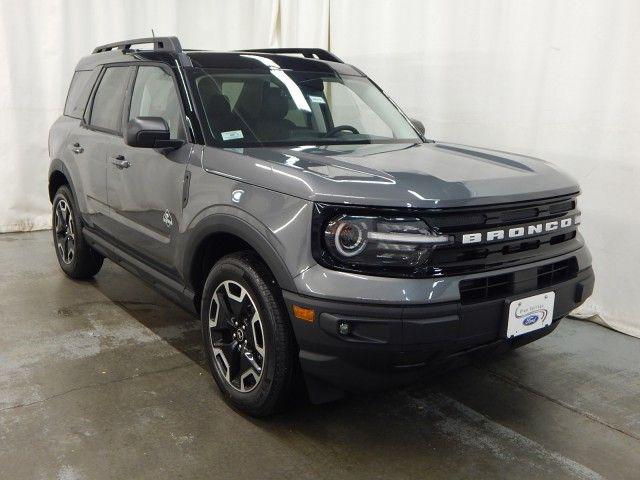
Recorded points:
(252, 60)
(169, 50)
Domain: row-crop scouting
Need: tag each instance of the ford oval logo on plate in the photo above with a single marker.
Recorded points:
(530, 320)
(530, 313)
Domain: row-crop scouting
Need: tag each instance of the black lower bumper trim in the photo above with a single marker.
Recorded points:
(387, 345)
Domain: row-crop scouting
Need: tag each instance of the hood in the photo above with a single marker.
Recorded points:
(425, 175)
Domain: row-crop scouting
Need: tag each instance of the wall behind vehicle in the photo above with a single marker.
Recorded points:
(554, 79)
(40, 45)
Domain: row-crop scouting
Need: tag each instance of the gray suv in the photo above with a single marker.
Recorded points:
(323, 240)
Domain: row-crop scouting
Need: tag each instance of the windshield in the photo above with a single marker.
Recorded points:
(247, 108)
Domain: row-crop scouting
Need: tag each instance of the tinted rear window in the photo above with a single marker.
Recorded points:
(79, 91)
(106, 111)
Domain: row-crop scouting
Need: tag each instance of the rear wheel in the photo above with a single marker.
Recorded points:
(76, 258)
(247, 336)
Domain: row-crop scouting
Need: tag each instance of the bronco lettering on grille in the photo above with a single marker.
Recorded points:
(520, 231)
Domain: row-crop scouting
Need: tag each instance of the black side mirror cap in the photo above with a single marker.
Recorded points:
(418, 125)
(150, 132)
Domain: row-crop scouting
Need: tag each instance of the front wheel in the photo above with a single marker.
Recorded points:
(247, 336)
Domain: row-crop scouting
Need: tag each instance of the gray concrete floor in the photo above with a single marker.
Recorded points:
(105, 379)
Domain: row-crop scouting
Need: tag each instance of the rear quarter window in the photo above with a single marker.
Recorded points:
(79, 91)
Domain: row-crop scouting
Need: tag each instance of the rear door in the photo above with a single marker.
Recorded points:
(93, 139)
(145, 185)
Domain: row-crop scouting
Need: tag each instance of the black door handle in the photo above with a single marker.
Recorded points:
(120, 162)
(77, 148)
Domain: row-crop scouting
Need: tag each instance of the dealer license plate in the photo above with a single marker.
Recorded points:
(530, 313)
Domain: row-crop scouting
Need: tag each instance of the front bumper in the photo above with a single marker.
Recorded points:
(392, 345)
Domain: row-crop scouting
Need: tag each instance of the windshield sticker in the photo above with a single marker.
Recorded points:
(232, 135)
(315, 99)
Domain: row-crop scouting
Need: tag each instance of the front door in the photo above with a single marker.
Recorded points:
(145, 185)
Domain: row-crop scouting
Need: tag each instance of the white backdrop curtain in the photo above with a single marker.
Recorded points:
(42, 40)
(556, 79)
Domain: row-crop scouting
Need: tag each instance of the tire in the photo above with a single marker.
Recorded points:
(248, 340)
(76, 258)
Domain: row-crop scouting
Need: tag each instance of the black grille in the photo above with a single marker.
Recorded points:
(481, 289)
(499, 286)
(461, 258)
(563, 206)
(519, 215)
(557, 272)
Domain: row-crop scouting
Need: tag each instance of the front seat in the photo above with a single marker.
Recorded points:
(272, 125)
(217, 108)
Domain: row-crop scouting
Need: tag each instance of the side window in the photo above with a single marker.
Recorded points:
(106, 111)
(155, 95)
(79, 91)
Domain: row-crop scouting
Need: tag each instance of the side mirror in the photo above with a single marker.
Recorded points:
(149, 132)
(418, 125)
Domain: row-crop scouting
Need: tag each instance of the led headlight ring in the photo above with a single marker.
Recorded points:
(350, 239)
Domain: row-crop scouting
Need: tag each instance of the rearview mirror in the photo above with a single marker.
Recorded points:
(150, 132)
(418, 125)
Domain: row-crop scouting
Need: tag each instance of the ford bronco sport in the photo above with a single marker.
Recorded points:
(320, 236)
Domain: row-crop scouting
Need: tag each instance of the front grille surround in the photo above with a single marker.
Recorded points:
(460, 259)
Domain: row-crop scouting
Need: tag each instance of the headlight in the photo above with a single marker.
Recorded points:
(380, 241)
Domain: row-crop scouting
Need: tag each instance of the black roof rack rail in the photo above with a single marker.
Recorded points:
(306, 52)
(165, 44)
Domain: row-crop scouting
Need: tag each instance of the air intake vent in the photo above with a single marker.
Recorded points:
(498, 286)
(480, 289)
(557, 272)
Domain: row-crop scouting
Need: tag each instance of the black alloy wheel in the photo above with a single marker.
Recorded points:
(237, 336)
(248, 339)
(63, 226)
(76, 258)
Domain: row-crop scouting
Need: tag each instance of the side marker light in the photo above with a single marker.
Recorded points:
(304, 314)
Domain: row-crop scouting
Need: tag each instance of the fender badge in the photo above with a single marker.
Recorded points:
(166, 218)
(236, 196)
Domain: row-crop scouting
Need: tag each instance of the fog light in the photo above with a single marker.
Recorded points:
(344, 328)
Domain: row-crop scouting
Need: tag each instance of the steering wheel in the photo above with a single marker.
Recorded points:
(341, 128)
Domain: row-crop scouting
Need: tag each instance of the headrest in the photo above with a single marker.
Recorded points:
(207, 88)
(275, 105)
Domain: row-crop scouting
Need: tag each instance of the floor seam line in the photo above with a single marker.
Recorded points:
(93, 385)
(560, 403)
